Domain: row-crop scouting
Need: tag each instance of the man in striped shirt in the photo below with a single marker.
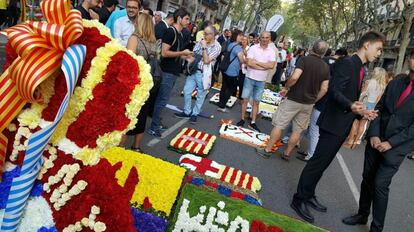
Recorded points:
(209, 49)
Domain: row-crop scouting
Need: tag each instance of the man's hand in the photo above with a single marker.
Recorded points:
(370, 114)
(283, 92)
(186, 52)
(384, 146)
(93, 14)
(357, 107)
(374, 141)
(203, 43)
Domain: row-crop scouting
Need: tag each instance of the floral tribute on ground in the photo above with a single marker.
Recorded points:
(246, 136)
(224, 173)
(200, 210)
(82, 183)
(192, 141)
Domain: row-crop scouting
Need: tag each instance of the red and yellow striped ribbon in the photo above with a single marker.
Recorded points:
(40, 47)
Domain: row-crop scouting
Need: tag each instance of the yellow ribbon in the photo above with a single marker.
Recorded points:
(40, 47)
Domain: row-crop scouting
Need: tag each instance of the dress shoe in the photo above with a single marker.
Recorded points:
(316, 205)
(355, 220)
(302, 210)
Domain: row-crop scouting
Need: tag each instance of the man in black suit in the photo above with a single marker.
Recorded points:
(391, 138)
(335, 121)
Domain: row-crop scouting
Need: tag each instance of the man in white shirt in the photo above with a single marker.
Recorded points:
(124, 26)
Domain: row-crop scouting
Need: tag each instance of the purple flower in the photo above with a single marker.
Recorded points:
(224, 190)
(147, 222)
(198, 181)
(37, 189)
(5, 185)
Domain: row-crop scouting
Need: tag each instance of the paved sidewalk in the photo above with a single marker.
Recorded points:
(3, 40)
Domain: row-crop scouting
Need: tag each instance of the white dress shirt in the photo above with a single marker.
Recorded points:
(123, 29)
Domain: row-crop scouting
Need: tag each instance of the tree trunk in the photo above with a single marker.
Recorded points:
(408, 15)
(252, 9)
(227, 13)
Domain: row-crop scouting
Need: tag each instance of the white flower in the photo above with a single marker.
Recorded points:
(82, 184)
(12, 127)
(99, 227)
(85, 221)
(36, 214)
(48, 164)
(65, 168)
(52, 151)
(95, 210)
(75, 167)
(221, 205)
(92, 217)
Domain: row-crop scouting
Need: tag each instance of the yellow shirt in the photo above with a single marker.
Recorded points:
(3, 4)
(199, 36)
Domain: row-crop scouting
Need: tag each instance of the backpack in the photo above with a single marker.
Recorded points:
(225, 63)
(153, 62)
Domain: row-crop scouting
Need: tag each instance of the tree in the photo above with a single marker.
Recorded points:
(407, 18)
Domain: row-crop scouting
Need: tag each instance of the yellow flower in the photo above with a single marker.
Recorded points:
(160, 181)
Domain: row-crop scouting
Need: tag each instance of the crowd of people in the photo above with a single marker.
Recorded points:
(332, 98)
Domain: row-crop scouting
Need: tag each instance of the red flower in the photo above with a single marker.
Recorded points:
(237, 195)
(257, 226)
(102, 191)
(106, 111)
(49, 113)
(274, 229)
(11, 55)
(92, 40)
(147, 204)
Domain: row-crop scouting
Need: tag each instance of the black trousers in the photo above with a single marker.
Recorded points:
(278, 74)
(379, 168)
(228, 87)
(326, 149)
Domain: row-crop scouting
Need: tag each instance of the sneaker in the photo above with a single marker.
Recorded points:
(254, 127)
(263, 153)
(181, 115)
(154, 133)
(303, 158)
(163, 128)
(223, 110)
(240, 123)
(285, 139)
(193, 119)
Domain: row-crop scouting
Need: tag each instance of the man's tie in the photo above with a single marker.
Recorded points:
(361, 76)
(405, 94)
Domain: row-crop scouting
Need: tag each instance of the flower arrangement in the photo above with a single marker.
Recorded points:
(216, 98)
(159, 181)
(74, 180)
(224, 173)
(192, 141)
(246, 136)
(223, 188)
(199, 209)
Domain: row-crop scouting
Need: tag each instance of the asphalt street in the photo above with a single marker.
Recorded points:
(338, 189)
(279, 178)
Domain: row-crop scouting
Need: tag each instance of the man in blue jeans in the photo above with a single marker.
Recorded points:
(209, 49)
(260, 59)
(172, 51)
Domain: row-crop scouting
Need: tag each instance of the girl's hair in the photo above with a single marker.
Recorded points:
(144, 28)
(234, 34)
(381, 76)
